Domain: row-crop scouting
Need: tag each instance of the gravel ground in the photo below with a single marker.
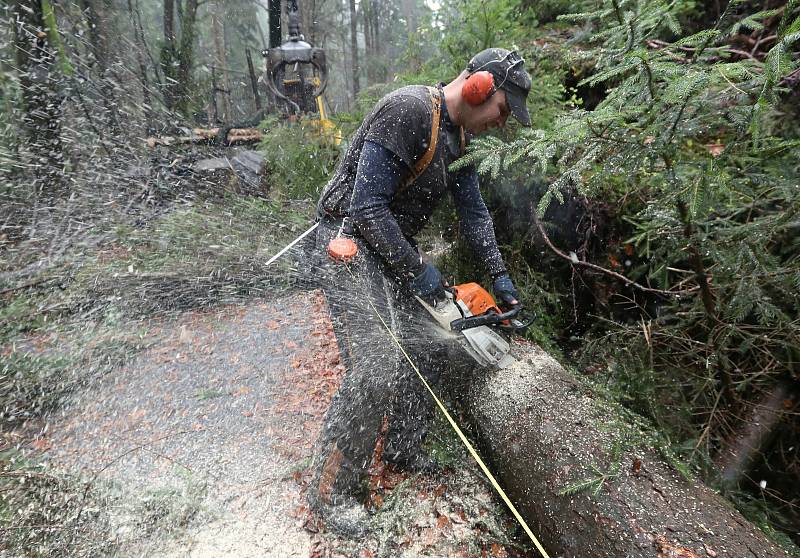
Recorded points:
(206, 427)
(204, 440)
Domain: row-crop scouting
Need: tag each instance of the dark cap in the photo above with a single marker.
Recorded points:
(508, 69)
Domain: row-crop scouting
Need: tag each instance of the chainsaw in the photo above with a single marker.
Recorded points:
(471, 311)
(466, 309)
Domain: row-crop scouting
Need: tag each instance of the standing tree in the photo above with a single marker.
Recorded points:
(35, 49)
(354, 66)
(177, 53)
(100, 28)
(220, 61)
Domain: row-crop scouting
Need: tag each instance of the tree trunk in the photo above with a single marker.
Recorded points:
(136, 23)
(275, 23)
(186, 55)
(586, 479)
(354, 46)
(218, 31)
(168, 56)
(41, 102)
(741, 452)
(100, 27)
(369, 43)
(379, 70)
(409, 8)
(308, 18)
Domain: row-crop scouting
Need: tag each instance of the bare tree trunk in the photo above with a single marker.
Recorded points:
(169, 55)
(308, 18)
(379, 61)
(587, 481)
(372, 13)
(354, 46)
(342, 38)
(141, 48)
(369, 46)
(218, 31)
(409, 8)
(36, 62)
(188, 17)
(742, 450)
(100, 26)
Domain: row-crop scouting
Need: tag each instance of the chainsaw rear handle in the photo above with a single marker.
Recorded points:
(492, 318)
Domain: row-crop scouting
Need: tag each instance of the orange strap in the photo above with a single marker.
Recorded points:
(422, 164)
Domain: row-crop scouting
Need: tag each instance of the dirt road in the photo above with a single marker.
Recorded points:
(205, 439)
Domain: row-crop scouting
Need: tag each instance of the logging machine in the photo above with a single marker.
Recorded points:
(297, 73)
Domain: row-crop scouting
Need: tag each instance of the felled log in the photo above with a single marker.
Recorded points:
(203, 135)
(586, 480)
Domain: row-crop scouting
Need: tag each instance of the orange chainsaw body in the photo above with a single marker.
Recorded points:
(477, 299)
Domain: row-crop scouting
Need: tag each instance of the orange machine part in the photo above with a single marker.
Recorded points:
(342, 249)
(475, 297)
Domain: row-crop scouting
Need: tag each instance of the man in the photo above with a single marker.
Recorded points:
(384, 190)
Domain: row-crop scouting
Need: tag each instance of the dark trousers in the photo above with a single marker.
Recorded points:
(379, 380)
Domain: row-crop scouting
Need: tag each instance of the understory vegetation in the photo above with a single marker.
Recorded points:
(650, 218)
(667, 196)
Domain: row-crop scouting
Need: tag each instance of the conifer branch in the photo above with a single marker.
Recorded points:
(614, 274)
(617, 12)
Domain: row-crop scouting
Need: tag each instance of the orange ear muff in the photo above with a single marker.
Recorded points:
(478, 87)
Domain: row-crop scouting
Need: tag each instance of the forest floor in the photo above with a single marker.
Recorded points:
(202, 444)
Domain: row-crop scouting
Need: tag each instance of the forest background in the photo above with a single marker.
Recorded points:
(649, 216)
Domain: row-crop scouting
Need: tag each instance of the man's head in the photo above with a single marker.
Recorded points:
(494, 85)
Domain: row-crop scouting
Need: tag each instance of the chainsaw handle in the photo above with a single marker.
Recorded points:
(519, 325)
(490, 317)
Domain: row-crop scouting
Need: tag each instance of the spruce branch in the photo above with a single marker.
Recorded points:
(614, 274)
(617, 11)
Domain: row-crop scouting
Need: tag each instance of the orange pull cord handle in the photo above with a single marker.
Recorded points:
(342, 248)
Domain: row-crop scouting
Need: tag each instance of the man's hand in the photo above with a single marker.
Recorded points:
(429, 285)
(507, 296)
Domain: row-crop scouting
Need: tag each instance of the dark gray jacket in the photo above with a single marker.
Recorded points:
(368, 190)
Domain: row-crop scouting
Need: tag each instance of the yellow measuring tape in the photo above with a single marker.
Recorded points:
(461, 435)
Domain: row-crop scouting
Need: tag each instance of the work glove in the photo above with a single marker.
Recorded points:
(429, 285)
(507, 296)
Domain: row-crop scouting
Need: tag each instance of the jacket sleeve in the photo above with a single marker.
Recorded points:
(377, 180)
(476, 223)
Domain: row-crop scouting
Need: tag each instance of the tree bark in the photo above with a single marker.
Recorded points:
(168, 56)
(186, 54)
(409, 8)
(586, 480)
(354, 46)
(138, 33)
(218, 31)
(41, 101)
(177, 53)
(741, 452)
(100, 27)
(369, 40)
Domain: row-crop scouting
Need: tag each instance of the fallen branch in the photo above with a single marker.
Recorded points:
(25, 285)
(741, 452)
(576, 262)
(200, 135)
